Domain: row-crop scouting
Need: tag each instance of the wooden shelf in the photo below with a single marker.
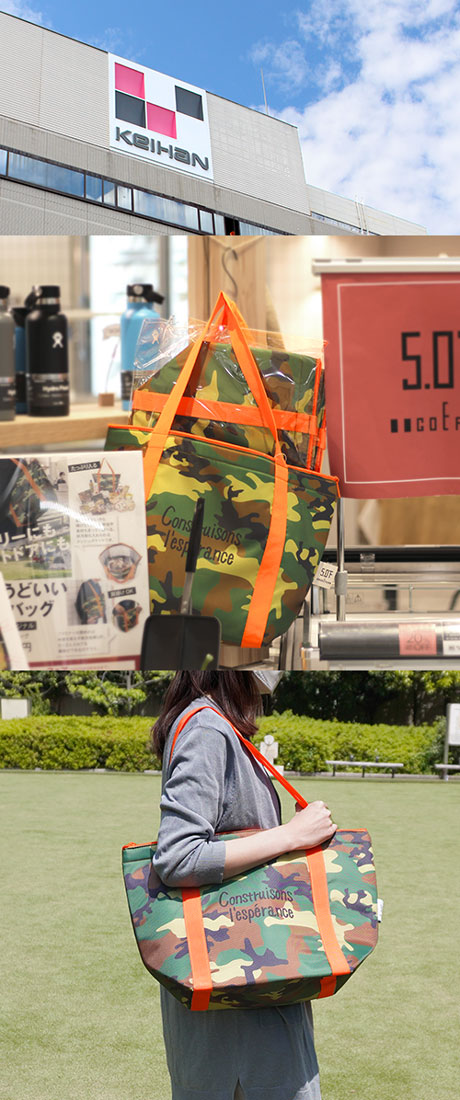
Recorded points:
(87, 421)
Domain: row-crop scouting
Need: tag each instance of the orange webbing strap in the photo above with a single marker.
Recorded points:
(97, 598)
(267, 573)
(112, 471)
(321, 905)
(319, 886)
(314, 407)
(252, 749)
(197, 948)
(224, 412)
(250, 370)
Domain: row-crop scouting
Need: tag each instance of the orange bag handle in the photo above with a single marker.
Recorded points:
(191, 896)
(225, 313)
(112, 471)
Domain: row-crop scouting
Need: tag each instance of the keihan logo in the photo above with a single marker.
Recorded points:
(132, 106)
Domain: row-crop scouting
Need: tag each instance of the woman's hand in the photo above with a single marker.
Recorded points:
(309, 827)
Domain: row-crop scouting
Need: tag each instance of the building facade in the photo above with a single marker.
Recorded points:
(91, 143)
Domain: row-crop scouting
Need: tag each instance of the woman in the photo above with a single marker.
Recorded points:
(211, 785)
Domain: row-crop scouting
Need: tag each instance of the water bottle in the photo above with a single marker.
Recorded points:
(7, 380)
(19, 314)
(47, 364)
(141, 297)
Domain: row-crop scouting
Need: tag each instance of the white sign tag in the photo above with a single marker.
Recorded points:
(453, 723)
(325, 575)
(451, 642)
(379, 909)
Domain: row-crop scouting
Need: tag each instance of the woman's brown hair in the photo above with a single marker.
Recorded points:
(236, 693)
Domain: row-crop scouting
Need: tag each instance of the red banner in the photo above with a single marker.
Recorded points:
(393, 382)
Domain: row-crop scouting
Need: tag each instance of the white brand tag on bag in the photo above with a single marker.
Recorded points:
(379, 909)
(325, 575)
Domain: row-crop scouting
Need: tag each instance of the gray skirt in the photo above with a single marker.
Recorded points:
(240, 1054)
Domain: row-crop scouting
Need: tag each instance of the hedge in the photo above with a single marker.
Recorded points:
(121, 744)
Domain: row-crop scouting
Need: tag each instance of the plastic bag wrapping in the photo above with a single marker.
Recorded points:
(218, 404)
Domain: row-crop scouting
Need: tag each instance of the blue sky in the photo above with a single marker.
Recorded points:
(373, 85)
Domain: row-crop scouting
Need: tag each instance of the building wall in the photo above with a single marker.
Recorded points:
(26, 209)
(59, 109)
(54, 103)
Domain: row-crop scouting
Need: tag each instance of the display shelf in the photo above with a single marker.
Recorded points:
(85, 421)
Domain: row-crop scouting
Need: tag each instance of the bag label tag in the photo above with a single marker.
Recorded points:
(325, 575)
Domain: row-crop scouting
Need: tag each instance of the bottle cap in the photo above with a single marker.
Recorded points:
(19, 314)
(144, 292)
(48, 291)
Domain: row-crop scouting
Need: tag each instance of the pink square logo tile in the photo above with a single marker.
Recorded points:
(129, 80)
(161, 120)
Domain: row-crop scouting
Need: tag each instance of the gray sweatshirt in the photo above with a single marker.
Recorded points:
(212, 785)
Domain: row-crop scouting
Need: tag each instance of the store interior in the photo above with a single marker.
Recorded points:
(272, 282)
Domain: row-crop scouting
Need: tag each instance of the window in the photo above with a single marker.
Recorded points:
(28, 169)
(64, 179)
(94, 188)
(165, 210)
(206, 222)
(125, 197)
(52, 176)
(189, 103)
(130, 109)
(219, 222)
(69, 181)
(109, 193)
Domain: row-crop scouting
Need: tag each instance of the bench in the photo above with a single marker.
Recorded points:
(447, 768)
(365, 765)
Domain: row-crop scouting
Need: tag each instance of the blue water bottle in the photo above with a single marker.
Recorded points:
(19, 315)
(141, 299)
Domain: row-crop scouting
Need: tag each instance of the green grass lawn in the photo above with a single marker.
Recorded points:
(81, 1017)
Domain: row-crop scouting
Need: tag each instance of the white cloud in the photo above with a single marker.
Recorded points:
(285, 65)
(385, 124)
(23, 11)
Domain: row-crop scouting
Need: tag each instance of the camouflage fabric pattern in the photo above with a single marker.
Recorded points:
(289, 382)
(24, 502)
(237, 488)
(261, 930)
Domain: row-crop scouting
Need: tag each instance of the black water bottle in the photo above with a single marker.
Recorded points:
(7, 381)
(47, 363)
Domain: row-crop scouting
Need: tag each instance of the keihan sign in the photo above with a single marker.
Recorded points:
(158, 118)
(393, 376)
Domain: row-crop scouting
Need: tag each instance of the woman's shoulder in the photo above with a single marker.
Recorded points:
(201, 715)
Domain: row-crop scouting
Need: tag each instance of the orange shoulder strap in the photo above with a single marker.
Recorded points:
(191, 897)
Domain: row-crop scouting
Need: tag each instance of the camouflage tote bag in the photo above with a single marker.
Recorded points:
(294, 929)
(265, 522)
(219, 404)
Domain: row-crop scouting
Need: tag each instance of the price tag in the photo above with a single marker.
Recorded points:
(325, 575)
(451, 642)
(417, 639)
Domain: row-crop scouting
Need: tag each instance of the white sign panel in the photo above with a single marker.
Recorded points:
(73, 554)
(158, 118)
(453, 723)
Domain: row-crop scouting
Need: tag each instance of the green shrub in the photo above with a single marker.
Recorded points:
(120, 744)
(306, 743)
(50, 742)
